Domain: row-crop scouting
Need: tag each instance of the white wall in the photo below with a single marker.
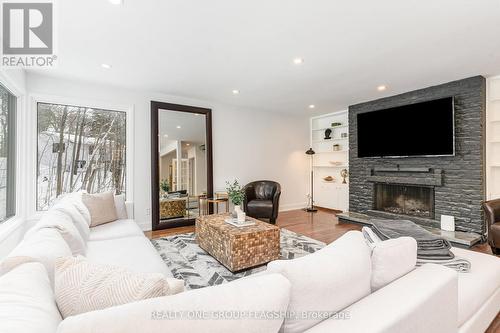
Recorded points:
(248, 144)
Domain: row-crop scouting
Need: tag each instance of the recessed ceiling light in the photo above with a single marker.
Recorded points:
(106, 66)
(178, 126)
(382, 88)
(236, 91)
(116, 2)
(298, 61)
(187, 144)
(312, 106)
(165, 135)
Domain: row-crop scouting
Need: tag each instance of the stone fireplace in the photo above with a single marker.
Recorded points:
(404, 200)
(422, 189)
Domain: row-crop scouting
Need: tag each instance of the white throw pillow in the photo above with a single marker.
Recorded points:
(326, 281)
(67, 207)
(256, 304)
(82, 286)
(101, 207)
(391, 259)
(121, 208)
(44, 246)
(27, 302)
(54, 219)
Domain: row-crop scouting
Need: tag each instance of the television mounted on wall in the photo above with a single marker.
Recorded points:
(419, 129)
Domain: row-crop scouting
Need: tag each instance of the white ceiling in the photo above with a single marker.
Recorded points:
(205, 49)
(192, 127)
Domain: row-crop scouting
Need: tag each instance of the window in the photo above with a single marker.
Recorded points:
(79, 148)
(7, 154)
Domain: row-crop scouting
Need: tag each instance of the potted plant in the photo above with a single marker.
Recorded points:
(236, 195)
(164, 186)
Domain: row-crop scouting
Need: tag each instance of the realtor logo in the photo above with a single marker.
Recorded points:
(28, 29)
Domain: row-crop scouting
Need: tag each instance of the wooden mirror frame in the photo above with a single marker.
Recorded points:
(155, 172)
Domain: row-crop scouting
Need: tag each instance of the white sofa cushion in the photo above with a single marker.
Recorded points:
(121, 208)
(392, 259)
(250, 298)
(475, 287)
(101, 207)
(82, 286)
(75, 198)
(116, 229)
(326, 281)
(61, 222)
(422, 301)
(27, 302)
(44, 246)
(67, 207)
(135, 253)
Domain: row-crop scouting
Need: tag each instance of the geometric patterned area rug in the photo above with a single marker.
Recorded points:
(187, 261)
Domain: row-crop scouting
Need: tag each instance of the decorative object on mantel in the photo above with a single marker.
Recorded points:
(344, 174)
(329, 179)
(343, 135)
(236, 194)
(447, 223)
(336, 163)
(328, 133)
(310, 207)
(337, 124)
(336, 147)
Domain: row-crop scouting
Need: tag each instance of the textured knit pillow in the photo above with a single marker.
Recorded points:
(101, 207)
(82, 286)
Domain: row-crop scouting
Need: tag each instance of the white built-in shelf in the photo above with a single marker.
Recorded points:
(331, 166)
(333, 151)
(330, 140)
(330, 194)
(332, 128)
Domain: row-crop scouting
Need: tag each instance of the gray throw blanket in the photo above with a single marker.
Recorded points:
(430, 248)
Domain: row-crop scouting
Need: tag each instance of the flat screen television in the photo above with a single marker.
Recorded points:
(420, 129)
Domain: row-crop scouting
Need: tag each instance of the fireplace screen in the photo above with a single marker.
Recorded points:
(405, 200)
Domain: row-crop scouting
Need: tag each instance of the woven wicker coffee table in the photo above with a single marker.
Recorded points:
(238, 248)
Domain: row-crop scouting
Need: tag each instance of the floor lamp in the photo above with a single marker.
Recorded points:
(311, 208)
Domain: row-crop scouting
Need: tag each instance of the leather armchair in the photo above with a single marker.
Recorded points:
(262, 199)
(492, 214)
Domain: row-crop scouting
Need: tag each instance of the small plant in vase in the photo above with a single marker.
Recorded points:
(164, 186)
(236, 195)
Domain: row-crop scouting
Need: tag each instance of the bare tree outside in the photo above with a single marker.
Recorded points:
(79, 148)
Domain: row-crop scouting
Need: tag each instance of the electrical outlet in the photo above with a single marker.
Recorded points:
(148, 211)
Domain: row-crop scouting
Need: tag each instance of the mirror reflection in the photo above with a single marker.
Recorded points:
(182, 164)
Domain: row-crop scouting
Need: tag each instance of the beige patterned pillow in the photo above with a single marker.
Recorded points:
(101, 207)
(82, 286)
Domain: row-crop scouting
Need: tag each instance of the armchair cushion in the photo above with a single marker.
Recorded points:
(260, 207)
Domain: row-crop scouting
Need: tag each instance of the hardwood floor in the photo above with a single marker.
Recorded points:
(323, 226)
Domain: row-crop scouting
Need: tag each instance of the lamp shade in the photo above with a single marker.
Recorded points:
(310, 152)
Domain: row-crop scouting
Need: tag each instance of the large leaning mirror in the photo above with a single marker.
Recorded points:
(181, 163)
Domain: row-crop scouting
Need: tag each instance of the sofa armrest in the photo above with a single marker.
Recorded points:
(129, 205)
(424, 300)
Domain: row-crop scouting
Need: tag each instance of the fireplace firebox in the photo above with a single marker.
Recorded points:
(405, 200)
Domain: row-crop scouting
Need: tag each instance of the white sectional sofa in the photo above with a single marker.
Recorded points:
(428, 299)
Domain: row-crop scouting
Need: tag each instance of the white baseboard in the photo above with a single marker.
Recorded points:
(287, 207)
(144, 225)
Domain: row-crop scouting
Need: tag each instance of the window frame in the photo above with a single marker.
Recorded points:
(33, 140)
(11, 175)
